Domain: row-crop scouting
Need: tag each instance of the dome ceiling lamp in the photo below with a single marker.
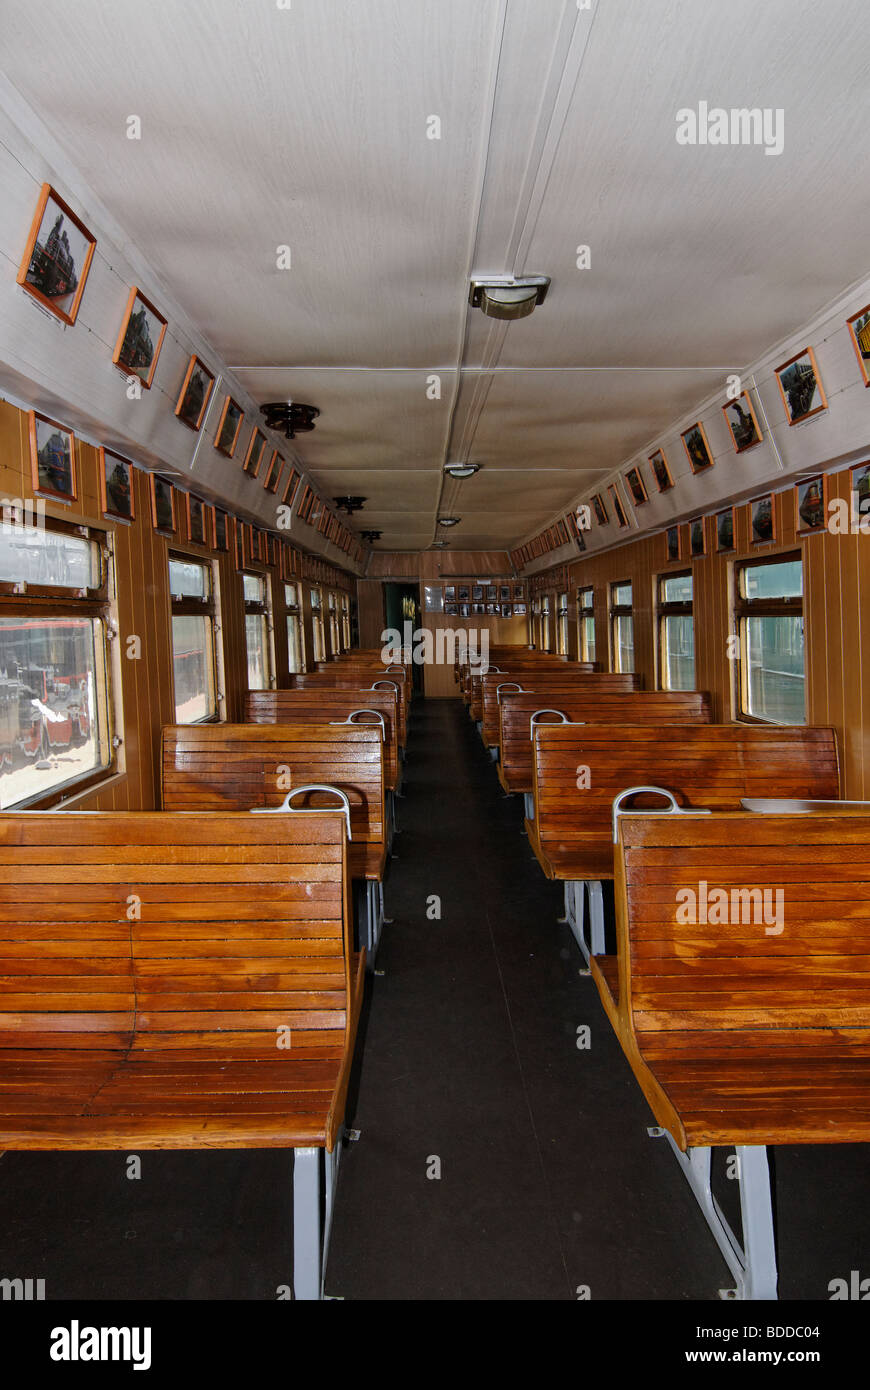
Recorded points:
(461, 470)
(508, 296)
(290, 417)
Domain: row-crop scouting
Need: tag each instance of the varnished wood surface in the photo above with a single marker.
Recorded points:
(739, 1035)
(361, 678)
(147, 963)
(704, 765)
(602, 707)
(320, 705)
(554, 683)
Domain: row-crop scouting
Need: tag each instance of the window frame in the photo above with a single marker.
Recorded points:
(260, 608)
(206, 607)
(584, 613)
(744, 608)
(670, 608)
(615, 612)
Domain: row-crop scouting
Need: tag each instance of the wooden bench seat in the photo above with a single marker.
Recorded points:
(580, 769)
(749, 1025)
(493, 686)
(513, 670)
(332, 706)
(239, 766)
(342, 678)
(148, 965)
(516, 712)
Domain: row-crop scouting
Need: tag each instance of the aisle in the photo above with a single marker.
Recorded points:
(471, 1059)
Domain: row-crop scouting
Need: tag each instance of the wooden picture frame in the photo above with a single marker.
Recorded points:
(859, 494)
(859, 333)
(697, 448)
(220, 529)
(136, 352)
(52, 458)
(116, 486)
(195, 393)
(273, 473)
(600, 510)
(697, 537)
(292, 487)
(163, 517)
(618, 509)
(660, 470)
(636, 486)
(799, 382)
(254, 453)
(56, 261)
(197, 519)
(725, 531)
(229, 427)
(673, 544)
(742, 423)
(762, 520)
(811, 504)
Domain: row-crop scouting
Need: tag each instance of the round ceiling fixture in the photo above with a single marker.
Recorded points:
(370, 536)
(462, 470)
(508, 296)
(449, 520)
(350, 504)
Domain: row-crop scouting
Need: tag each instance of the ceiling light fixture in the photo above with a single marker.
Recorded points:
(350, 504)
(370, 536)
(449, 520)
(290, 417)
(462, 470)
(508, 296)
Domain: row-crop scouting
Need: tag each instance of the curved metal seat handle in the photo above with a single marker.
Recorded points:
(673, 808)
(286, 809)
(537, 714)
(351, 718)
(508, 685)
(379, 685)
(395, 667)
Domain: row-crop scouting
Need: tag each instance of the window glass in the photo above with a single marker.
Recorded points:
(624, 642)
(678, 652)
(253, 588)
(676, 588)
(33, 555)
(188, 579)
(193, 668)
(257, 638)
(774, 648)
(783, 580)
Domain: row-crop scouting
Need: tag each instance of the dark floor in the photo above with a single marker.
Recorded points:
(548, 1180)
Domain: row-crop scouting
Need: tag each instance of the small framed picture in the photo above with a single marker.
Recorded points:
(742, 422)
(725, 530)
(519, 591)
(116, 486)
(143, 329)
(636, 486)
(696, 447)
(433, 598)
(450, 609)
(449, 593)
(507, 610)
(672, 539)
(859, 332)
(800, 387)
(229, 428)
(600, 510)
(618, 509)
(463, 593)
(162, 505)
(810, 505)
(697, 537)
(662, 474)
(491, 593)
(196, 519)
(220, 529)
(761, 519)
(465, 610)
(273, 472)
(239, 544)
(254, 456)
(504, 593)
(52, 458)
(290, 489)
(861, 491)
(491, 609)
(477, 593)
(519, 610)
(478, 608)
(194, 395)
(57, 257)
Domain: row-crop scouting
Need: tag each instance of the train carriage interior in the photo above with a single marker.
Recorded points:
(434, 772)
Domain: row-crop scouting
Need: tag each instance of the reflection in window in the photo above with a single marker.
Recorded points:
(676, 632)
(770, 614)
(621, 627)
(194, 652)
(258, 632)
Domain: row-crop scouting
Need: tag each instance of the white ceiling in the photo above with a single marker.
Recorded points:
(307, 127)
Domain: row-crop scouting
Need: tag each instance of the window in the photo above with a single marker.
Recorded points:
(586, 623)
(621, 628)
(676, 632)
(295, 636)
(345, 623)
(562, 625)
(769, 612)
(334, 640)
(258, 632)
(317, 625)
(194, 650)
(55, 713)
(545, 622)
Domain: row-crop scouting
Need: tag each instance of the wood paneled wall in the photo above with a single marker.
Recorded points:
(430, 566)
(836, 572)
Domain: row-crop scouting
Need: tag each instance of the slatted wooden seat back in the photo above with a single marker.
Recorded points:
(580, 769)
(165, 941)
(599, 707)
(239, 766)
(495, 652)
(601, 682)
(530, 661)
(377, 678)
(322, 705)
(744, 986)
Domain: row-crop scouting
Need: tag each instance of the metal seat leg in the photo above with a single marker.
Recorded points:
(307, 1231)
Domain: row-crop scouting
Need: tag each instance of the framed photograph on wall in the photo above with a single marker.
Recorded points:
(477, 593)
(220, 529)
(504, 593)
(162, 505)
(600, 510)
(143, 329)
(492, 610)
(57, 257)
(859, 332)
(491, 593)
(800, 387)
(742, 422)
(52, 458)
(254, 456)
(519, 591)
(861, 491)
(636, 486)
(672, 542)
(507, 610)
(449, 593)
(196, 519)
(761, 519)
(195, 392)
(662, 474)
(810, 505)
(519, 610)
(618, 509)
(696, 447)
(697, 537)
(725, 530)
(450, 609)
(116, 486)
(273, 472)
(229, 428)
